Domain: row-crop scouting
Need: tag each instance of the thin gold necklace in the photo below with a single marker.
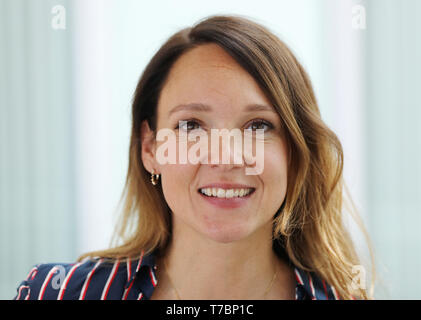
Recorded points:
(178, 295)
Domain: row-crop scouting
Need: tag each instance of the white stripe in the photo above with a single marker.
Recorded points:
(129, 269)
(311, 286)
(140, 296)
(30, 273)
(20, 291)
(34, 274)
(299, 277)
(44, 284)
(129, 275)
(126, 292)
(154, 281)
(88, 278)
(66, 280)
(335, 293)
(29, 292)
(113, 271)
(140, 261)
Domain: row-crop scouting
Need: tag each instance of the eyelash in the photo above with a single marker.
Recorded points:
(258, 121)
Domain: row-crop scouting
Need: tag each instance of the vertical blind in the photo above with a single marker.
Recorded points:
(393, 155)
(36, 141)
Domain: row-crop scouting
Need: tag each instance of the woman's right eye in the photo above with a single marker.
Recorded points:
(188, 125)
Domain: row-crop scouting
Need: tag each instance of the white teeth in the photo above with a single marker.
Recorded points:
(229, 193)
(222, 193)
(207, 191)
(214, 192)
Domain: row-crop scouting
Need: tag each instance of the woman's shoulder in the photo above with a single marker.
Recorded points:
(93, 279)
(311, 286)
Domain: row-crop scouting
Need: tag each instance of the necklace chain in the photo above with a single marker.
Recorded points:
(178, 295)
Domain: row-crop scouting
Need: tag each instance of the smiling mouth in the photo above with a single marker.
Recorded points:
(219, 193)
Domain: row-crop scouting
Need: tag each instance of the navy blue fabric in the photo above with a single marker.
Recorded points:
(135, 279)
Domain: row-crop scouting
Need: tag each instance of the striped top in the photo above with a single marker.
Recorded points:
(98, 279)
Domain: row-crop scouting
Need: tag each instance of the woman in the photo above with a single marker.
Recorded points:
(208, 230)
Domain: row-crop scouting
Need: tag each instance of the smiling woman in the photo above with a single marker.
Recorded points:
(208, 230)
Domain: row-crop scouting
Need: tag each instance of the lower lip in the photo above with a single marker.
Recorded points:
(229, 203)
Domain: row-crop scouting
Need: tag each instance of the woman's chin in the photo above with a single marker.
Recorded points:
(226, 235)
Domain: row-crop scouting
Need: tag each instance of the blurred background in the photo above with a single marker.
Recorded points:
(68, 70)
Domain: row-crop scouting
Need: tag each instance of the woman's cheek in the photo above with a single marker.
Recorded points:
(176, 183)
(275, 170)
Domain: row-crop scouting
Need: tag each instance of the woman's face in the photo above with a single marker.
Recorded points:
(207, 75)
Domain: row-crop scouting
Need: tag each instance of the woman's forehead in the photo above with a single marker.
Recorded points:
(206, 55)
(209, 80)
(208, 64)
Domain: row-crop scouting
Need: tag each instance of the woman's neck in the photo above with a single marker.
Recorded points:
(200, 268)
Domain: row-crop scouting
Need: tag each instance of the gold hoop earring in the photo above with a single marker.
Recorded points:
(154, 178)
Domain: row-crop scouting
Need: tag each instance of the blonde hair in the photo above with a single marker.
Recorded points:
(309, 226)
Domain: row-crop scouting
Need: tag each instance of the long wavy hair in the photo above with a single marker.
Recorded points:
(309, 226)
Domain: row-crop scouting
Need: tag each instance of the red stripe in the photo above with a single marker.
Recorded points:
(140, 261)
(66, 281)
(31, 273)
(45, 284)
(126, 294)
(324, 286)
(89, 279)
(111, 281)
(313, 293)
(129, 270)
(152, 277)
(34, 274)
(297, 277)
(20, 291)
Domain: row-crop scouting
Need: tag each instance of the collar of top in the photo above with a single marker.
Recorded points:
(308, 284)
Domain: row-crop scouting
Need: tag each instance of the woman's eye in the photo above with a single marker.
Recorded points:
(259, 124)
(188, 125)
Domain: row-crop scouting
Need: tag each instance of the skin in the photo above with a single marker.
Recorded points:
(219, 253)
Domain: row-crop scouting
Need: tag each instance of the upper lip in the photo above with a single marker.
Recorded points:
(225, 185)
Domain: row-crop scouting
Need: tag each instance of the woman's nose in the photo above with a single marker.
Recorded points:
(226, 148)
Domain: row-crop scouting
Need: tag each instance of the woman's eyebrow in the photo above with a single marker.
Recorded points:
(191, 107)
(207, 108)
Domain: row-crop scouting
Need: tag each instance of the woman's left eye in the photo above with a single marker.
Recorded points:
(259, 124)
(188, 125)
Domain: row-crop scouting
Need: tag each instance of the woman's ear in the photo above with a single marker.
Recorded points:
(148, 148)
